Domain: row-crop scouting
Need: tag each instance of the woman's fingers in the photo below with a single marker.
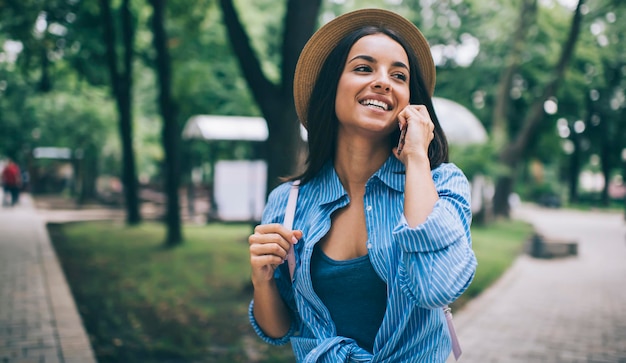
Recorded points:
(275, 233)
(269, 246)
(264, 249)
(416, 117)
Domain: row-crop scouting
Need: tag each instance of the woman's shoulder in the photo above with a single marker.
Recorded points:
(448, 171)
(280, 193)
(276, 203)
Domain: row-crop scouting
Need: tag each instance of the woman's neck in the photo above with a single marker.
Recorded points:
(356, 161)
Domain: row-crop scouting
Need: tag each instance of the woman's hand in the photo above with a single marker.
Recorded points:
(420, 194)
(417, 131)
(268, 248)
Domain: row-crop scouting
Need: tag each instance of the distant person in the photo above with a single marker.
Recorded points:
(381, 233)
(25, 180)
(11, 182)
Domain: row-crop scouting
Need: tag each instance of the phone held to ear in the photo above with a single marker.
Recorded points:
(401, 139)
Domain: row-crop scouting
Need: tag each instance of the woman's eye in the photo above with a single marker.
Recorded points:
(400, 76)
(362, 69)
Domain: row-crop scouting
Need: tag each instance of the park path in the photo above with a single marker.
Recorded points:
(39, 322)
(566, 310)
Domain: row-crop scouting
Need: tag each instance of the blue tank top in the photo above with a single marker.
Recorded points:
(353, 293)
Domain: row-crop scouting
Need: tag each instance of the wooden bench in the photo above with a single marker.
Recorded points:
(543, 247)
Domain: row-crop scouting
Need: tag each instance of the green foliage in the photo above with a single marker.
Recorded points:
(71, 119)
(63, 51)
(477, 159)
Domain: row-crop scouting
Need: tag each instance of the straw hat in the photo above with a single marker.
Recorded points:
(320, 45)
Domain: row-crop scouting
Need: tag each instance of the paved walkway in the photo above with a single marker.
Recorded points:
(561, 310)
(39, 322)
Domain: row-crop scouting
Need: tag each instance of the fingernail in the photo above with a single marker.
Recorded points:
(294, 240)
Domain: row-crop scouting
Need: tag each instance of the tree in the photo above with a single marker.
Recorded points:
(121, 84)
(512, 153)
(275, 100)
(499, 129)
(171, 130)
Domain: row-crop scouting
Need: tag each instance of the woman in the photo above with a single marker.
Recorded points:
(382, 227)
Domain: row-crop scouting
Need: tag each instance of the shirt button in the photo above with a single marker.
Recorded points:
(369, 245)
(368, 208)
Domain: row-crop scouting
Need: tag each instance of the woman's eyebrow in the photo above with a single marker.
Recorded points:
(371, 59)
(364, 57)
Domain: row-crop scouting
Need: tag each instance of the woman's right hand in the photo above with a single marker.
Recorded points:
(268, 249)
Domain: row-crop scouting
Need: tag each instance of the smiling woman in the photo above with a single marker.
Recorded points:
(380, 84)
(380, 237)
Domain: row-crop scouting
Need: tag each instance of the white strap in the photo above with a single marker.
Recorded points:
(456, 347)
(290, 213)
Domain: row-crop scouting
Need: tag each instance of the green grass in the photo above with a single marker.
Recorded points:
(143, 303)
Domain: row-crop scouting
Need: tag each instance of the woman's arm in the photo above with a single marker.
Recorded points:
(268, 249)
(437, 258)
(420, 194)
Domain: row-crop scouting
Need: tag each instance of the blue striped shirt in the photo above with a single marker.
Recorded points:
(424, 268)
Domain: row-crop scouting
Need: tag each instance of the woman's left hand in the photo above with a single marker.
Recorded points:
(417, 131)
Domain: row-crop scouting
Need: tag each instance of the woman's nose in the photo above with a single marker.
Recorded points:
(382, 82)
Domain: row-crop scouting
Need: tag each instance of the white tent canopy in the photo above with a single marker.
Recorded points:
(459, 124)
(209, 127)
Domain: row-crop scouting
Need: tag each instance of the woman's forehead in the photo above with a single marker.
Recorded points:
(378, 45)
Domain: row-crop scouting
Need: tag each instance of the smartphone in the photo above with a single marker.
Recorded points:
(401, 139)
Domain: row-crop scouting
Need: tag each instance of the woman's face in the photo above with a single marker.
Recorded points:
(374, 86)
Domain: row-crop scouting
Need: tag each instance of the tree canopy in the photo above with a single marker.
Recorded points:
(53, 67)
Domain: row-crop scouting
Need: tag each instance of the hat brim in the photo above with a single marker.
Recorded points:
(320, 45)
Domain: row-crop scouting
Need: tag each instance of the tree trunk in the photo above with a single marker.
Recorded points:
(624, 178)
(606, 162)
(45, 84)
(574, 169)
(504, 188)
(171, 129)
(275, 101)
(499, 128)
(122, 85)
(88, 175)
(513, 153)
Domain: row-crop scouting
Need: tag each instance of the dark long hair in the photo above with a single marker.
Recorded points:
(322, 123)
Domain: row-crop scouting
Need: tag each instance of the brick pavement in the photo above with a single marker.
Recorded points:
(39, 321)
(566, 310)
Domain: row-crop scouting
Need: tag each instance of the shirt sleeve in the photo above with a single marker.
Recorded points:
(274, 212)
(438, 263)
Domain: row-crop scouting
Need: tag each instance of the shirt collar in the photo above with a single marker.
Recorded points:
(328, 184)
(391, 173)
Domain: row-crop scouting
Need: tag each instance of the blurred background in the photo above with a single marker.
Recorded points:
(120, 103)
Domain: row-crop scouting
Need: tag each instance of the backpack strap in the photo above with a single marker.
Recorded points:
(456, 347)
(290, 213)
